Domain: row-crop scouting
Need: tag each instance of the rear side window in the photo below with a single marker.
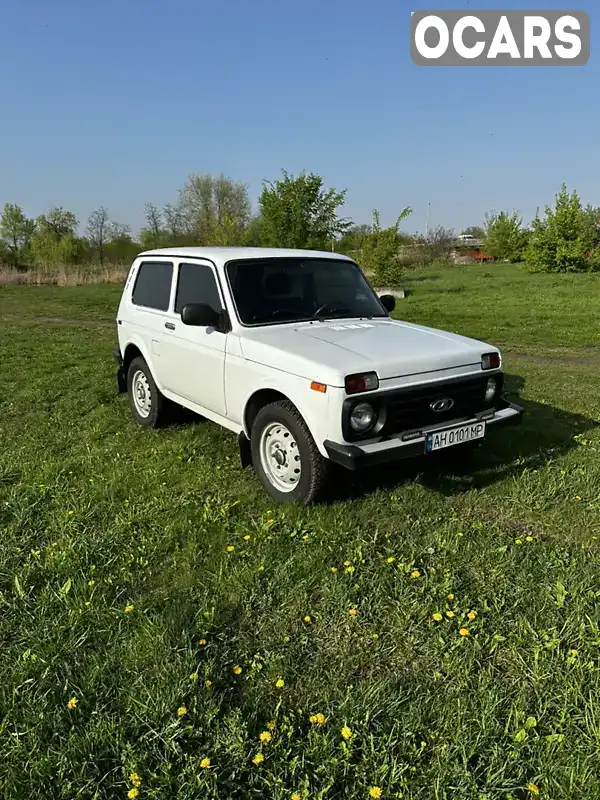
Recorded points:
(153, 285)
(197, 284)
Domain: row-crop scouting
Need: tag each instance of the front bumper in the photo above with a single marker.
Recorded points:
(355, 456)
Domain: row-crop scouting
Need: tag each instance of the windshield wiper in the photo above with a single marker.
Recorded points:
(326, 310)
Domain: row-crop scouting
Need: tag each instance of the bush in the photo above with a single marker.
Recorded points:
(566, 240)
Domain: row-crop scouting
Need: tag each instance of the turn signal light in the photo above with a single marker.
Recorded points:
(361, 382)
(318, 387)
(490, 361)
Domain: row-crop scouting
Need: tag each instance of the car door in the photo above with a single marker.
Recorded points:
(144, 315)
(194, 357)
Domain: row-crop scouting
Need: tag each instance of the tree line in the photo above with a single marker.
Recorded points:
(297, 212)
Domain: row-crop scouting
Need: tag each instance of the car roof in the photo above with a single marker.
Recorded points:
(221, 255)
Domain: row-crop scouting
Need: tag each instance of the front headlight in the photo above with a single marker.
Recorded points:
(490, 389)
(362, 417)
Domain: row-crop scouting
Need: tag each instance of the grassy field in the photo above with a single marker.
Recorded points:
(166, 632)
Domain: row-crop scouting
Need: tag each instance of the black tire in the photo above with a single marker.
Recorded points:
(156, 416)
(314, 469)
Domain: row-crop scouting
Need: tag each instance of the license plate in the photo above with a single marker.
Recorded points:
(438, 440)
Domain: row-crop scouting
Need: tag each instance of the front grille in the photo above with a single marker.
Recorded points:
(411, 409)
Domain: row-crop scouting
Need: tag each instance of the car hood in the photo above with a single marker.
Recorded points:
(330, 350)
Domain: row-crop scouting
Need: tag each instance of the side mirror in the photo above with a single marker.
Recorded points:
(388, 301)
(200, 315)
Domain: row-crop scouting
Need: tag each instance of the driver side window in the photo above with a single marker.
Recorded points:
(196, 283)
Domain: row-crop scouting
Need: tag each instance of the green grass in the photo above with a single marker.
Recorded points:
(98, 514)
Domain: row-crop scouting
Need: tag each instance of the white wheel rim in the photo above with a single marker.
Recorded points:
(142, 396)
(279, 457)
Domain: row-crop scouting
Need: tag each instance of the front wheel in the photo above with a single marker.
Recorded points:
(285, 456)
(147, 403)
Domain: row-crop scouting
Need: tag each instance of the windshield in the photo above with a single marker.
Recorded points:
(276, 290)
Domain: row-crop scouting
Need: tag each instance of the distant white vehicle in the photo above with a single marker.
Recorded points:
(293, 351)
(466, 237)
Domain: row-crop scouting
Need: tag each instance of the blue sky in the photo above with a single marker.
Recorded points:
(115, 103)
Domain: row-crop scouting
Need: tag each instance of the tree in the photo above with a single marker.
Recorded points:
(16, 231)
(297, 212)
(152, 235)
(214, 210)
(566, 240)
(379, 251)
(98, 231)
(439, 242)
(353, 239)
(505, 237)
(55, 240)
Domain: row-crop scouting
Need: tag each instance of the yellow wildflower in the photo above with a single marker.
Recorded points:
(346, 732)
(246, 538)
(133, 793)
(237, 670)
(375, 791)
(128, 609)
(533, 788)
(258, 759)
(230, 548)
(415, 574)
(265, 737)
(208, 684)
(347, 563)
(271, 725)
(308, 620)
(270, 521)
(464, 631)
(334, 569)
(202, 642)
(135, 779)
(353, 612)
(193, 676)
(181, 711)
(391, 560)
(471, 615)
(317, 719)
(449, 614)
(295, 796)
(72, 703)
(577, 497)
(280, 683)
(437, 616)
(205, 763)
(450, 597)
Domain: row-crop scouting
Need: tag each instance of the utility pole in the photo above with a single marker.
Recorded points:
(427, 220)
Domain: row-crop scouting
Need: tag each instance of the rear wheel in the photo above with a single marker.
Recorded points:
(285, 456)
(147, 403)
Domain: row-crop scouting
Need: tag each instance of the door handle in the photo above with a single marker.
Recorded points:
(170, 326)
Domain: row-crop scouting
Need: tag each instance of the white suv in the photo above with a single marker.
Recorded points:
(294, 352)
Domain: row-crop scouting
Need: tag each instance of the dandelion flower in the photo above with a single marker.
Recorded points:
(258, 759)
(577, 497)
(317, 719)
(295, 796)
(270, 521)
(450, 597)
(128, 609)
(347, 563)
(208, 684)
(237, 670)
(391, 560)
(349, 569)
(449, 614)
(353, 612)
(202, 642)
(265, 737)
(280, 683)
(437, 616)
(375, 791)
(230, 548)
(415, 574)
(464, 631)
(205, 763)
(246, 538)
(334, 569)
(193, 676)
(135, 779)
(471, 615)
(529, 538)
(181, 711)
(308, 620)
(346, 732)
(72, 703)
(533, 788)
(133, 793)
